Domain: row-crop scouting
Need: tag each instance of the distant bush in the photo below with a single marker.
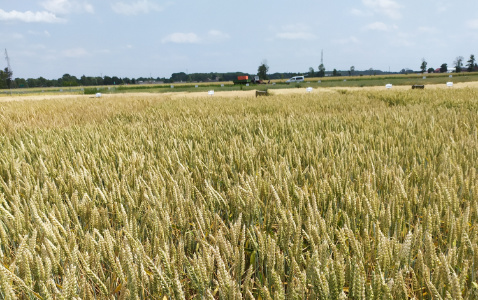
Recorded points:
(90, 91)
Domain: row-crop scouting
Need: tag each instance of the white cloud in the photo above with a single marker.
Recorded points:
(360, 13)
(443, 6)
(181, 38)
(295, 35)
(402, 39)
(295, 32)
(38, 47)
(11, 36)
(424, 29)
(212, 36)
(217, 35)
(17, 36)
(74, 53)
(136, 8)
(103, 51)
(29, 17)
(356, 12)
(378, 26)
(388, 8)
(39, 33)
(67, 6)
(4, 36)
(346, 41)
(402, 42)
(473, 24)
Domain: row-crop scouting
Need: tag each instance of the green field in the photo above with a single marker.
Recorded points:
(325, 82)
(350, 194)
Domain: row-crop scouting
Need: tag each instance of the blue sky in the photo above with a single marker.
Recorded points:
(133, 38)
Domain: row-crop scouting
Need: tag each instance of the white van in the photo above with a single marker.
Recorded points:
(295, 79)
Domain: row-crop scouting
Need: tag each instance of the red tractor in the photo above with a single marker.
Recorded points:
(245, 80)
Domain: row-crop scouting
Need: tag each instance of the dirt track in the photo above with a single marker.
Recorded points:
(232, 94)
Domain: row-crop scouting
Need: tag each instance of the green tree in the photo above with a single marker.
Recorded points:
(352, 70)
(471, 63)
(42, 82)
(6, 78)
(107, 80)
(32, 82)
(423, 66)
(458, 63)
(321, 70)
(262, 70)
(311, 72)
(98, 80)
(20, 83)
(68, 80)
(334, 72)
(431, 70)
(83, 80)
(181, 76)
(117, 80)
(443, 68)
(3, 80)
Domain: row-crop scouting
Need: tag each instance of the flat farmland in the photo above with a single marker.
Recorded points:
(399, 81)
(348, 192)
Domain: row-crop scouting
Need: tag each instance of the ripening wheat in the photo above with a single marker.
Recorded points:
(359, 195)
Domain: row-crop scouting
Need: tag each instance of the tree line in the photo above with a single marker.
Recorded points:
(67, 80)
(471, 65)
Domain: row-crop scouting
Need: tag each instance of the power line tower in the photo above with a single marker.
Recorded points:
(321, 67)
(9, 70)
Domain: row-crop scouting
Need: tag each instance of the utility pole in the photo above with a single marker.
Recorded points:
(9, 71)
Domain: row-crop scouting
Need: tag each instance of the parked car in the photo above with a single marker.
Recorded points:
(295, 79)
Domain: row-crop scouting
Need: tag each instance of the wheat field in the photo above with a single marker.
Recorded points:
(338, 195)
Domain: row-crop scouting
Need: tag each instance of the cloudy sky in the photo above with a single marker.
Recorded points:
(134, 38)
